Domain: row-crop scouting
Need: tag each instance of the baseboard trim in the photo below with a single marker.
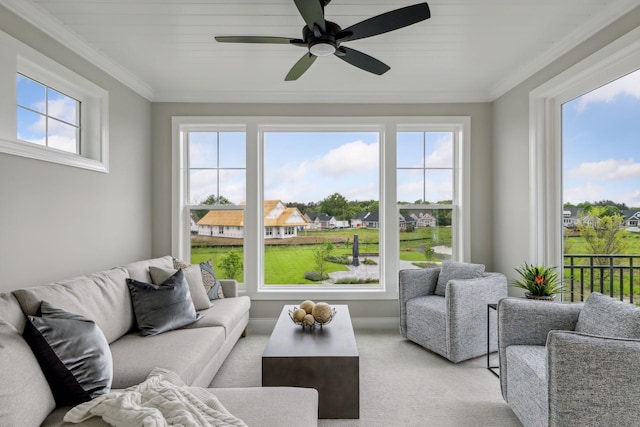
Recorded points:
(266, 325)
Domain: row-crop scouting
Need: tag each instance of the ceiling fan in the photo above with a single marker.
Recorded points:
(323, 38)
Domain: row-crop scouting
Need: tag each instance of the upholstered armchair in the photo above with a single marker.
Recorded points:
(445, 309)
(566, 365)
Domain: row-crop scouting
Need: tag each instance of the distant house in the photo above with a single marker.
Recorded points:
(423, 219)
(193, 227)
(570, 217)
(280, 222)
(366, 220)
(321, 221)
(631, 218)
(406, 221)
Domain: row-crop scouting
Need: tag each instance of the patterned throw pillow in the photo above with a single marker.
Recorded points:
(211, 283)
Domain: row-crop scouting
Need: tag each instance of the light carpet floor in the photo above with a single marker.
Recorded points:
(401, 384)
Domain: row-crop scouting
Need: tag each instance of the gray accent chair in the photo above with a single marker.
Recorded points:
(453, 325)
(570, 364)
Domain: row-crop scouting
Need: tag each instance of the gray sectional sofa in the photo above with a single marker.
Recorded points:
(194, 352)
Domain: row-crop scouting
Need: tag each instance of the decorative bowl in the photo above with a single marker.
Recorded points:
(316, 323)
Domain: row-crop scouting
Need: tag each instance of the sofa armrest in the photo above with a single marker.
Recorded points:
(229, 288)
(592, 380)
(528, 322)
(413, 283)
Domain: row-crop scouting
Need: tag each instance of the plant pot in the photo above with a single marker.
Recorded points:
(529, 295)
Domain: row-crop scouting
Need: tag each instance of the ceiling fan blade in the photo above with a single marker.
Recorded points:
(386, 22)
(300, 67)
(362, 60)
(312, 13)
(260, 39)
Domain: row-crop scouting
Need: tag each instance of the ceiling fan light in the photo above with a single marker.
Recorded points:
(322, 48)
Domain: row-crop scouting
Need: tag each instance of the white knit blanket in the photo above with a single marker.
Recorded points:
(161, 400)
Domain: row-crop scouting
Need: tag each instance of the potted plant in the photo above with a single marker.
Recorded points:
(539, 281)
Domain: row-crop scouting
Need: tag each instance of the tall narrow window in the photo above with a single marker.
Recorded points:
(425, 192)
(216, 194)
(47, 117)
(321, 208)
(601, 196)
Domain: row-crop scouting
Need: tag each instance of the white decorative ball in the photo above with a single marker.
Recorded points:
(307, 306)
(322, 312)
(298, 315)
(308, 320)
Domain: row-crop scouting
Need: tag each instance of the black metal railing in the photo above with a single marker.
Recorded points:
(615, 275)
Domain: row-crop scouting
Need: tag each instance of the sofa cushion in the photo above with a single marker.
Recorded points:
(139, 270)
(527, 382)
(72, 352)
(164, 307)
(605, 316)
(211, 283)
(194, 279)
(102, 297)
(426, 323)
(452, 270)
(185, 352)
(24, 392)
(226, 312)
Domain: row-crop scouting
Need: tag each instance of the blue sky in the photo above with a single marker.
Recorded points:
(310, 166)
(601, 137)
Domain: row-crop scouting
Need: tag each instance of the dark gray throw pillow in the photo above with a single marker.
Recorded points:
(72, 352)
(164, 307)
(452, 270)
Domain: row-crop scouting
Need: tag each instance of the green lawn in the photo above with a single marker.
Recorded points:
(287, 263)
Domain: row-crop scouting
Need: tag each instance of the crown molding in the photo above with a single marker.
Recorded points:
(61, 33)
(582, 33)
(322, 97)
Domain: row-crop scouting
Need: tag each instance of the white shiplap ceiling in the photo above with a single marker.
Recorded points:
(470, 50)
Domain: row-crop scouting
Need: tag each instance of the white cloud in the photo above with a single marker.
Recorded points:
(353, 157)
(442, 156)
(629, 85)
(586, 192)
(608, 170)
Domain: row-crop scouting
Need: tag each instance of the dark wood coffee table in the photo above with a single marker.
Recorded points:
(325, 359)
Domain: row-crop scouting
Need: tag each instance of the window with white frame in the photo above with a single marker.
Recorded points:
(325, 185)
(57, 115)
(426, 194)
(46, 116)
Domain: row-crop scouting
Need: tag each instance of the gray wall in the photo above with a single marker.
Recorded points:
(58, 221)
(481, 167)
(511, 149)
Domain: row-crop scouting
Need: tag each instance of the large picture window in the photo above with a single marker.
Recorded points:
(321, 207)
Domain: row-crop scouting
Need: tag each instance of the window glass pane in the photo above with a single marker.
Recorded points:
(410, 149)
(62, 136)
(410, 185)
(203, 186)
(439, 185)
(203, 149)
(321, 192)
(232, 152)
(233, 185)
(218, 235)
(31, 126)
(439, 150)
(63, 107)
(30, 94)
(425, 237)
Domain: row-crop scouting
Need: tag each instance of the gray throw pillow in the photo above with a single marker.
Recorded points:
(193, 275)
(608, 317)
(452, 270)
(72, 352)
(164, 307)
